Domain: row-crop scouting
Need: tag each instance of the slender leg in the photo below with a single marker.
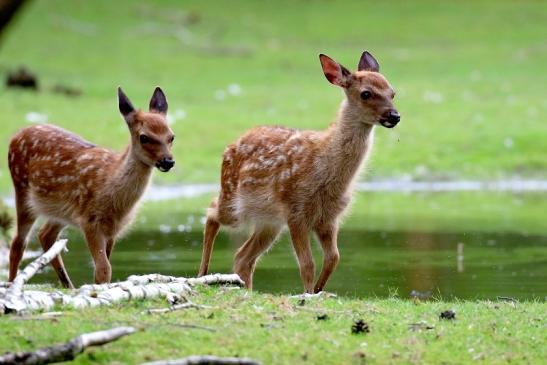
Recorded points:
(327, 235)
(47, 235)
(96, 242)
(25, 220)
(109, 246)
(245, 258)
(211, 230)
(302, 248)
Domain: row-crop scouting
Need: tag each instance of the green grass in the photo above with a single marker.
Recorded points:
(483, 58)
(276, 330)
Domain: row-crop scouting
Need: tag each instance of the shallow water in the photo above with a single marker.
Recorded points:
(486, 265)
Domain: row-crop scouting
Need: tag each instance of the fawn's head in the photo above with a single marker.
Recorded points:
(365, 88)
(151, 137)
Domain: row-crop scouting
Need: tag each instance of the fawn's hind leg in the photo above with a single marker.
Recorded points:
(252, 249)
(211, 230)
(212, 225)
(47, 235)
(25, 220)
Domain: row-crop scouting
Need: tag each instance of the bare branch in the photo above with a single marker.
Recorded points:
(13, 298)
(65, 351)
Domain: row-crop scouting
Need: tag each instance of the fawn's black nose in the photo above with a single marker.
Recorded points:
(165, 164)
(390, 118)
(394, 116)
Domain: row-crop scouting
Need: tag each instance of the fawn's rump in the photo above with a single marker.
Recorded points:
(54, 171)
(262, 173)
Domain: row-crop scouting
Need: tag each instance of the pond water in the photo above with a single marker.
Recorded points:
(442, 265)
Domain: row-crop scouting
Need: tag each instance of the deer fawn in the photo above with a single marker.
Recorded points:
(58, 175)
(276, 176)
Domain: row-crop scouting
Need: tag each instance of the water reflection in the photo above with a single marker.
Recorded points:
(372, 263)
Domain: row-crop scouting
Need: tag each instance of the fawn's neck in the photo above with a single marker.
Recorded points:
(348, 141)
(129, 180)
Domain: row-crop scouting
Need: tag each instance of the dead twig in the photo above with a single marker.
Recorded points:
(206, 360)
(175, 307)
(42, 317)
(65, 351)
(507, 299)
(193, 326)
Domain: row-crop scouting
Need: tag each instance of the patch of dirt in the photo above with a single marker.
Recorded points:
(66, 90)
(448, 315)
(322, 317)
(22, 78)
(360, 326)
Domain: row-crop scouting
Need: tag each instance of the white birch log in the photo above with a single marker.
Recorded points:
(65, 351)
(206, 360)
(13, 297)
(136, 287)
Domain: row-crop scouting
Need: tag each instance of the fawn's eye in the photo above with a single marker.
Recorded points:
(171, 139)
(366, 95)
(144, 139)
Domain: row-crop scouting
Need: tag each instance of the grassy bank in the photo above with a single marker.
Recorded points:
(466, 75)
(278, 330)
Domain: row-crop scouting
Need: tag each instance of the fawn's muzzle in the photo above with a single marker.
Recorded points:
(165, 164)
(390, 118)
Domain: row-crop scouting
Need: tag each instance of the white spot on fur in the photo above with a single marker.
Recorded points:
(86, 156)
(86, 169)
(285, 174)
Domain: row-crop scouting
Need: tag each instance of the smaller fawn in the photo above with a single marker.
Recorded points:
(276, 176)
(70, 181)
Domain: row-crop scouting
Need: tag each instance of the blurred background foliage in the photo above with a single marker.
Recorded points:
(468, 76)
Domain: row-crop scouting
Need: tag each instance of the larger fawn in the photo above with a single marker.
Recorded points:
(276, 176)
(70, 181)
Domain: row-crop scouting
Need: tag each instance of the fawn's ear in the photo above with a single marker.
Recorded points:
(368, 63)
(126, 108)
(335, 72)
(158, 103)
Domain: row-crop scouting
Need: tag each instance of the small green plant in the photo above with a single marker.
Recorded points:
(6, 222)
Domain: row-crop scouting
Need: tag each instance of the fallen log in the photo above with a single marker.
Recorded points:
(206, 360)
(109, 294)
(14, 299)
(65, 351)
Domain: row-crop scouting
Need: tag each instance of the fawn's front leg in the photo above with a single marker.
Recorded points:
(97, 244)
(327, 235)
(301, 243)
